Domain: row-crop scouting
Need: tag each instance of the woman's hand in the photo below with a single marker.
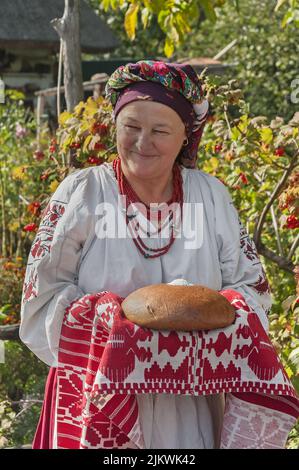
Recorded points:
(177, 307)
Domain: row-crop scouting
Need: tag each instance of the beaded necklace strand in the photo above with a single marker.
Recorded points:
(131, 197)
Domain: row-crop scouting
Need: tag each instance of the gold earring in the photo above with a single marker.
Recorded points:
(185, 143)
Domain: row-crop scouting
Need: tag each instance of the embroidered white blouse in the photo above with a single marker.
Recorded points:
(70, 257)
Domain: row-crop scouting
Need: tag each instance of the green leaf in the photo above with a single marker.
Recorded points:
(6, 308)
(116, 3)
(289, 300)
(182, 25)
(105, 4)
(295, 382)
(293, 360)
(279, 4)
(145, 17)
(155, 5)
(164, 20)
(208, 9)
(235, 134)
(288, 18)
(266, 135)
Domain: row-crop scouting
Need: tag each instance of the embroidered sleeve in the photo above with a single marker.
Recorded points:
(51, 272)
(240, 264)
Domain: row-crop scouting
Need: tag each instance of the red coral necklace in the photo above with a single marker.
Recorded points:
(131, 197)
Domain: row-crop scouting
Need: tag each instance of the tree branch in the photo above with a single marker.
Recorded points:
(279, 186)
(293, 247)
(275, 225)
(281, 262)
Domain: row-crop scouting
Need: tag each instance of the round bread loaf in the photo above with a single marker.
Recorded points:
(177, 307)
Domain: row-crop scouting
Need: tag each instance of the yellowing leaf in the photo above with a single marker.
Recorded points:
(53, 186)
(79, 108)
(105, 4)
(91, 107)
(131, 20)
(14, 226)
(86, 143)
(19, 172)
(214, 162)
(168, 47)
(173, 34)
(182, 26)
(112, 157)
(63, 117)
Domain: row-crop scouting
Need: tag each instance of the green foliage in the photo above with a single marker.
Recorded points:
(291, 13)
(22, 381)
(11, 283)
(174, 17)
(263, 60)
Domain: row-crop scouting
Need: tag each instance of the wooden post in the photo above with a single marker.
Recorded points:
(9, 332)
(68, 28)
(39, 112)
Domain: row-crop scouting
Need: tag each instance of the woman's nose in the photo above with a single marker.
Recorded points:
(144, 141)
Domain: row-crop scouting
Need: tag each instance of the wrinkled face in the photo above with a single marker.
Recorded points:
(149, 138)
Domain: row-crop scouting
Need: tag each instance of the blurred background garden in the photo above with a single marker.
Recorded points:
(246, 52)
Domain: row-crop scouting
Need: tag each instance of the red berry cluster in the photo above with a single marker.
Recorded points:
(95, 160)
(38, 155)
(53, 146)
(217, 148)
(30, 227)
(292, 222)
(99, 128)
(279, 151)
(100, 146)
(243, 179)
(75, 145)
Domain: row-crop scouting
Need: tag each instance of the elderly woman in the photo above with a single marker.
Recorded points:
(159, 112)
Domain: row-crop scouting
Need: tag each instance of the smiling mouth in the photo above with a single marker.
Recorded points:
(145, 156)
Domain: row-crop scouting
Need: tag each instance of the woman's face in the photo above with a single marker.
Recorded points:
(149, 138)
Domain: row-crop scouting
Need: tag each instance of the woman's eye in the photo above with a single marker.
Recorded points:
(138, 128)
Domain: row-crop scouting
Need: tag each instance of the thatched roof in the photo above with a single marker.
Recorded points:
(26, 23)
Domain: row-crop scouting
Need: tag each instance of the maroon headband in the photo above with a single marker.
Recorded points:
(157, 92)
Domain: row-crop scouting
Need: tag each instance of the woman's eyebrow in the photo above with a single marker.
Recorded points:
(160, 124)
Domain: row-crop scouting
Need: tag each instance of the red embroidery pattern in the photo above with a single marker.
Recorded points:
(249, 249)
(44, 237)
(253, 426)
(29, 288)
(104, 360)
(41, 246)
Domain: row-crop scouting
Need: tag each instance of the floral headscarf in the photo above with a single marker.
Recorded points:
(181, 78)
